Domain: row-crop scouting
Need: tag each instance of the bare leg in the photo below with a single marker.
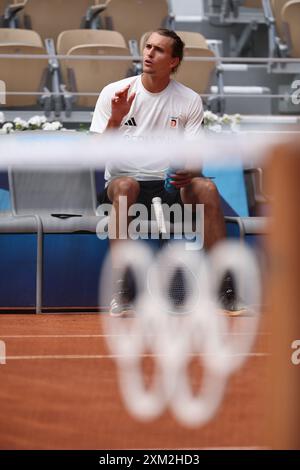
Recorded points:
(204, 191)
(125, 187)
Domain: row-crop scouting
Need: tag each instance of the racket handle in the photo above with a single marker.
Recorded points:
(159, 215)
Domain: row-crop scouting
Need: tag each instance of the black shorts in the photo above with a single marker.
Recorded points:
(149, 190)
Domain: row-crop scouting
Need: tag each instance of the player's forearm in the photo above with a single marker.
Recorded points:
(113, 123)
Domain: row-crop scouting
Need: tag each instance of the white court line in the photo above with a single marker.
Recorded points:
(99, 336)
(111, 356)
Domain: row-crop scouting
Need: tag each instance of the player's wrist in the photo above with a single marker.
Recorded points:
(114, 122)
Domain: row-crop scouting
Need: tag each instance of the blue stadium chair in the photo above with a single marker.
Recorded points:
(49, 202)
(231, 185)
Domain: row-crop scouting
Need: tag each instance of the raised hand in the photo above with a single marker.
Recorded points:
(121, 104)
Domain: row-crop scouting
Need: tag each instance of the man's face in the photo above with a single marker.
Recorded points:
(157, 56)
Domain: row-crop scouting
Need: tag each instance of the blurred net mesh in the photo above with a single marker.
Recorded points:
(178, 289)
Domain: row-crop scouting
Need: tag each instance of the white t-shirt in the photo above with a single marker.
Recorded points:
(176, 109)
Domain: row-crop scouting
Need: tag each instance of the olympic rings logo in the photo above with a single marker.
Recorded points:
(203, 331)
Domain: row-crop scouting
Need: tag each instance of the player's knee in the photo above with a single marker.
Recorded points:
(127, 187)
(206, 190)
(210, 190)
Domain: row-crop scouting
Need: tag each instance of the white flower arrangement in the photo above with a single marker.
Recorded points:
(52, 126)
(20, 124)
(34, 123)
(37, 121)
(216, 123)
(7, 128)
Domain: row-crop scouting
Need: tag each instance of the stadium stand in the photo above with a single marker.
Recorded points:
(3, 5)
(8, 12)
(250, 14)
(281, 16)
(237, 11)
(248, 88)
(276, 34)
(277, 7)
(291, 18)
(240, 25)
(133, 17)
(252, 3)
(100, 73)
(50, 17)
(16, 73)
(20, 36)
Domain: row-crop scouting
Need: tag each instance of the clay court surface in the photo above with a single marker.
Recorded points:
(59, 390)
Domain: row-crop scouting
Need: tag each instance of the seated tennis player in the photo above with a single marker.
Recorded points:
(153, 102)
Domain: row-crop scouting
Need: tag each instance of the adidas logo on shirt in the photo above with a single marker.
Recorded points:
(130, 122)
